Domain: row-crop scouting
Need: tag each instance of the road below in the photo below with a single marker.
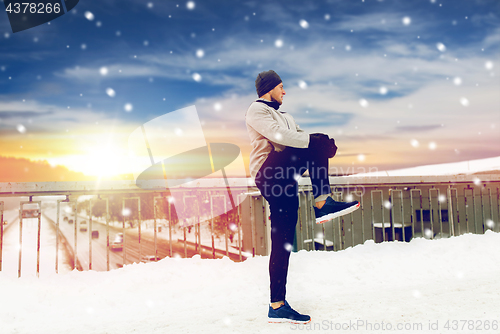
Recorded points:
(78, 246)
(93, 252)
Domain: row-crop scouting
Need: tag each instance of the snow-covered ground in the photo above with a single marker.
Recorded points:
(462, 167)
(425, 286)
(409, 286)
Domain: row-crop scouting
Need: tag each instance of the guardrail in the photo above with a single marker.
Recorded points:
(392, 208)
(212, 194)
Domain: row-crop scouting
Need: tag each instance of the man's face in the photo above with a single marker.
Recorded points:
(277, 93)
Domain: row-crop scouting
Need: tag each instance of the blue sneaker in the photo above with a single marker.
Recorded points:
(333, 209)
(285, 313)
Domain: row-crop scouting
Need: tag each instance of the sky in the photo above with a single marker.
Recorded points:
(396, 83)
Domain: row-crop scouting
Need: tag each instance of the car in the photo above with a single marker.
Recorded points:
(83, 226)
(150, 258)
(70, 221)
(65, 219)
(117, 244)
(95, 234)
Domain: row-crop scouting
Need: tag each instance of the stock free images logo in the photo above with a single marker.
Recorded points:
(25, 14)
(171, 152)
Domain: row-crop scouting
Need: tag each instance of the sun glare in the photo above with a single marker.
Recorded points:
(104, 162)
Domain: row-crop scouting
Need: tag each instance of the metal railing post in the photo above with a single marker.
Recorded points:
(1, 233)
(413, 210)
(124, 252)
(139, 227)
(169, 206)
(29, 213)
(89, 232)
(75, 252)
(20, 242)
(58, 213)
(107, 233)
(451, 213)
(239, 224)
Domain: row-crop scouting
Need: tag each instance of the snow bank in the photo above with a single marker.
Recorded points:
(424, 282)
(462, 167)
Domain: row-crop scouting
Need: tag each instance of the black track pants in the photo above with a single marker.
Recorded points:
(277, 182)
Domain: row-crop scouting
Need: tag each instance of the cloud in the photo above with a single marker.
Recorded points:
(387, 22)
(492, 40)
(22, 114)
(41, 117)
(418, 128)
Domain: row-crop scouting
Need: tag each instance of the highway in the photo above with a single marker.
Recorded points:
(134, 247)
(89, 253)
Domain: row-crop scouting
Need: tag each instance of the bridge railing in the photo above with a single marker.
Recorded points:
(392, 208)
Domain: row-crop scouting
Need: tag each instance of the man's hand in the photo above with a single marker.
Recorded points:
(322, 144)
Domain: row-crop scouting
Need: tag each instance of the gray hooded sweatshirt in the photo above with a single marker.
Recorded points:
(269, 130)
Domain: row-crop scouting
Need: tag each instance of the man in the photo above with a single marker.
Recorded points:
(281, 153)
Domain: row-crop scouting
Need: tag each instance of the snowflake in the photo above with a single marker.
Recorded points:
(128, 107)
(304, 24)
(441, 47)
(89, 16)
(364, 103)
(428, 233)
(111, 92)
(197, 77)
(103, 70)
(21, 128)
(464, 101)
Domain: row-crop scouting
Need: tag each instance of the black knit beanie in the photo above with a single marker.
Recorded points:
(266, 81)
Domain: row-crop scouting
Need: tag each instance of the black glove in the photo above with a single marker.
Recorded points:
(320, 143)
